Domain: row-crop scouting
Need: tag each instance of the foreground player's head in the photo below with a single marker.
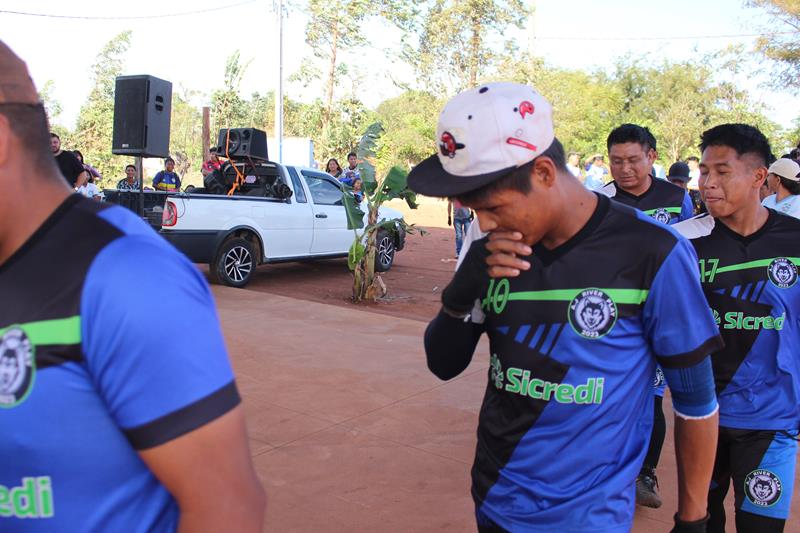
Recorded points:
(733, 167)
(499, 156)
(631, 152)
(24, 135)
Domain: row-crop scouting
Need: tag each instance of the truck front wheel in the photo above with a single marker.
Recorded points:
(234, 263)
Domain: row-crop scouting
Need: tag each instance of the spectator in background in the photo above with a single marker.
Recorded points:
(167, 179)
(573, 164)
(94, 174)
(333, 168)
(86, 188)
(129, 182)
(212, 163)
(358, 192)
(351, 172)
(596, 174)
(783, 181)
(694, 172)
(679, 174)
(459, 217)
(67, 163)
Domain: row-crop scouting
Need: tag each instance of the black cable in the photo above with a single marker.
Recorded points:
(136, 17)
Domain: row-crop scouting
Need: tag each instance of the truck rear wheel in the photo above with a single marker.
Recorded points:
(234, 264)
(384, 255)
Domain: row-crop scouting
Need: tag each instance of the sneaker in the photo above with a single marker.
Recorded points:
(646, 485)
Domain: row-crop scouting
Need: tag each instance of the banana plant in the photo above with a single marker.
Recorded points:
(367, 284)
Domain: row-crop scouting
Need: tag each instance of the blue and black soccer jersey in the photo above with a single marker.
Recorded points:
(568, 408)
(662, 201)
(109, 344)
(751, 287)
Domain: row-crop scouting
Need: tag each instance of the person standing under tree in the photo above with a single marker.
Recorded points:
(459, 217)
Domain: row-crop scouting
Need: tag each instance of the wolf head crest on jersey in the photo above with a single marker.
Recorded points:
(16, 367)
(592, 313)
(763, 488)
(782, 272)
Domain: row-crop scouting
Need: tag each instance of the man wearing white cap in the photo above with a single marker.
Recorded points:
(783, 181)
(578, 303)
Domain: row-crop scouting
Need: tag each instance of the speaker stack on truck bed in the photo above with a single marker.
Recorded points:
(247, 170)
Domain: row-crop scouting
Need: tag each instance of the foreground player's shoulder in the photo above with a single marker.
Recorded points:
(696, 227)
(646, 231)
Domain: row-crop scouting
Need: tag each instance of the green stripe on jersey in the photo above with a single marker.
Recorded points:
(620, 296)
(754, 264)
(58, 331)
(667, 209)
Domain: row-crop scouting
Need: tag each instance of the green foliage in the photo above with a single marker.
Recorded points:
(452, 48)
(409, 121)
(361, 257)
(782, 43)
(186, 137)
(676, 100)
(228, 109)
(95, 123)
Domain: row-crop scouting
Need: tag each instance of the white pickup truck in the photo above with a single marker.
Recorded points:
(234, 234)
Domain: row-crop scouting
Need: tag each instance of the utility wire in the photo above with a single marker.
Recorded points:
(135, 17)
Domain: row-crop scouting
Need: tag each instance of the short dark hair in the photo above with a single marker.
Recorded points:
(518, 179)
(790, 185)
(631, 133)
(693, 158)
(53, 134)
(351, 153)
(743, 138)
(168, 159)
(29, 124)
(78, 153)
(130, 166)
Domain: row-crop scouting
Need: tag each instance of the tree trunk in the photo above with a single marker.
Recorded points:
(475, 48)
(331, 76)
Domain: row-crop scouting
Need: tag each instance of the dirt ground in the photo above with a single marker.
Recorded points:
(414, 283)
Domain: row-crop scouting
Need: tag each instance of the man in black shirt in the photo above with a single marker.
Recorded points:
(67, 163)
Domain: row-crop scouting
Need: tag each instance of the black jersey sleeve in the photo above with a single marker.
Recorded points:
(449, 345)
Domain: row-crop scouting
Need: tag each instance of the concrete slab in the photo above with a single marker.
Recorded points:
(351, 432)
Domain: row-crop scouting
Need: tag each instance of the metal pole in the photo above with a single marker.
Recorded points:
(279, 91)
(140, 174)
(206, 131)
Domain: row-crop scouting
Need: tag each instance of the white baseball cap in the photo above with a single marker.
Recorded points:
(484, 134)
(785, 168)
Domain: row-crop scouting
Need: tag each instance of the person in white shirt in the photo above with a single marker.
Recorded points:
(783, 181)
(573, 165)
(88, 189)
(694, 172)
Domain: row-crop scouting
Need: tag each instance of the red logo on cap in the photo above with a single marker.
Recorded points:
(525, 108)
(522, 144)
(448, 145)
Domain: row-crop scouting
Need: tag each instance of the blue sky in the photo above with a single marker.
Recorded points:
(190, 51)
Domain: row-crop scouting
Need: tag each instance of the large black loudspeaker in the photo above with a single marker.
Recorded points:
(243, 143)
(142, 109)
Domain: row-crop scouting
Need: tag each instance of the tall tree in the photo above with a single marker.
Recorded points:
(228, 108)
(336, 26)
(782, 42)
(96, 120)
(453, 51)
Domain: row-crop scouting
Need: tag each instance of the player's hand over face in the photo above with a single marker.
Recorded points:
(505, 249)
